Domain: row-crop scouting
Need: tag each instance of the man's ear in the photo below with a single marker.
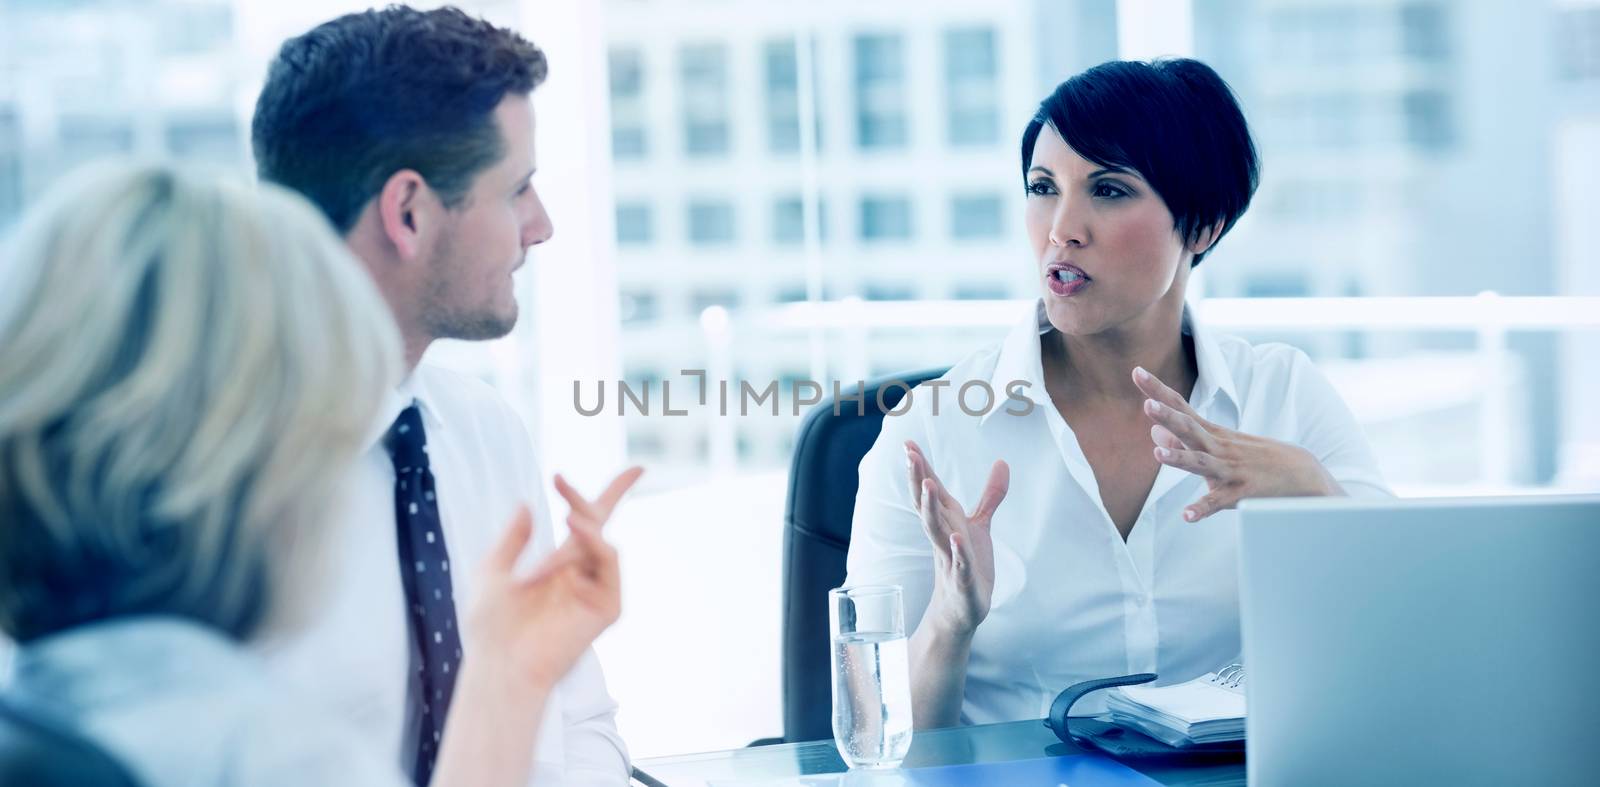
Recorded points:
(403, 211)
(1205, 239)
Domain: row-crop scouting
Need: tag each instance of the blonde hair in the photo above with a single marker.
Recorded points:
(190, 366)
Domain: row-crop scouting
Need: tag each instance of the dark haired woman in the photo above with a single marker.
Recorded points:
(1134, 433)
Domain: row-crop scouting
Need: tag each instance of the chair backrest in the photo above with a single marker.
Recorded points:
(816, 536)
(43, 753)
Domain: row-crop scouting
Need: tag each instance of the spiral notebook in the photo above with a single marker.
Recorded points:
(1208, 709)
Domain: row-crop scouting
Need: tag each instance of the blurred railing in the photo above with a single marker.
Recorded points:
(1487, 316)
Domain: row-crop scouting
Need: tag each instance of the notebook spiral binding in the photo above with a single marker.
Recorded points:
(1229, 677)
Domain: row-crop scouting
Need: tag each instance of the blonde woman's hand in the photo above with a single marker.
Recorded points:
(536, 626)
(963, 552)
(1235, 465)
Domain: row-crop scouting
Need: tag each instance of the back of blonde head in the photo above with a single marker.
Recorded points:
(189, 367)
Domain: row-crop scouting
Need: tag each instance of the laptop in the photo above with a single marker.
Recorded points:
(1442, 641)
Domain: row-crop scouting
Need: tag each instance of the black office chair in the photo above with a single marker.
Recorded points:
(41, 752)
(816, 535)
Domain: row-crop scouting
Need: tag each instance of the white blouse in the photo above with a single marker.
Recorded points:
(1072, 600)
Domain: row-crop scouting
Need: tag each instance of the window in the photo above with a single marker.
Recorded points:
(885, 218)
(198, 29)
(1578, 44)
(797, 294)
(1423, 32)
(10, 165)
(1276, 285)
(783, 97)
(880, 92)
(888, 292)
(705, 299)
(788, 227)
(628, 137)
(970, 70)
(1308, 199)
(976, 216)
(711, 222)
(634, 224)
(635, 308)
(1428, 124)
(705, 99)
(89, 137)
(980, 292)
(214, 139)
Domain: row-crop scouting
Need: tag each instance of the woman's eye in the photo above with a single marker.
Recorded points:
(1108, 190)
(1040, 187)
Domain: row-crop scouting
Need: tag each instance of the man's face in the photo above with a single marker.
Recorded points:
(468, 292)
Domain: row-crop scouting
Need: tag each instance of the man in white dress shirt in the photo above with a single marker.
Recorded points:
(413, 132)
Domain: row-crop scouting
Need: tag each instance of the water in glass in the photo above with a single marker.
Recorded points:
(871, 698)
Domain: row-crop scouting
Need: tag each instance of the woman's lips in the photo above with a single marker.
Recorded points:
(1065, 279)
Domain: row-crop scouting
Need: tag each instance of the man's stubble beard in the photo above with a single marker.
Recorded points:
(444, 315)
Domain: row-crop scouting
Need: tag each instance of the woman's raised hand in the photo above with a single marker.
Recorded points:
(1235, 465)
(963, 552)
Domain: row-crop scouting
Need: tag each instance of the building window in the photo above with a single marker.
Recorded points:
(711, 222)
(705, 299)
(971, 70)
(980, 292)
(634, 308)
(783, 97)
(885, 218)
(645, 445)
(888, 292)
(635, 224)
(798, 294)
(788, 226)
(1276, 285)
(1578, 44)
(10, 165)
(1423, 32)
(628, 138)
(215, 139)
(880, 92)
(197, 30)
(89, 137)
(1428, 123)
(976, 216)
(705, 99)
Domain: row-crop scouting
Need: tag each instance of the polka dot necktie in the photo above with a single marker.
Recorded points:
(425, 572)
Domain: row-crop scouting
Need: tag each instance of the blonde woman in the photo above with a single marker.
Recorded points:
(190, 367)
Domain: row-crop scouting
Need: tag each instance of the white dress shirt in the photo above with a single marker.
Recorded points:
(1072, 601)
(354, 649)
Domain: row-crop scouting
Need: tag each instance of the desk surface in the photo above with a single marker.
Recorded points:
(1018, 740)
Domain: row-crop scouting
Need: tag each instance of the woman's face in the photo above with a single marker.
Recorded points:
(1104, 241)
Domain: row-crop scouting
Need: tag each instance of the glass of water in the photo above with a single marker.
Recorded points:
(871, 676)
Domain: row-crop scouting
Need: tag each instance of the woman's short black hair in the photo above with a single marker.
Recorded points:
(366, 95)
(1174, 121)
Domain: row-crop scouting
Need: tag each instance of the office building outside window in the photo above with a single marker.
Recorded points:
(885, 218)
(975, 216)
(711, 222)
(971, 68)
(781, 71)
(880, 92)
(788, 227)
(635, 223)
(1578, 44)
(626, 76)
(704, 69)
